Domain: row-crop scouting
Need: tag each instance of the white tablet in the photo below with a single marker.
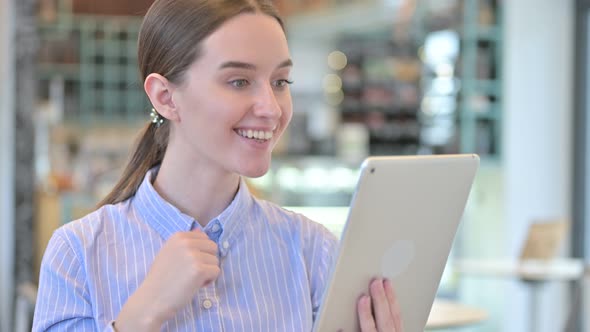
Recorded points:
(401, 225)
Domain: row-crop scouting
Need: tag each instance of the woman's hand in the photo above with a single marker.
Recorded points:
(184, 264)
(380, 311)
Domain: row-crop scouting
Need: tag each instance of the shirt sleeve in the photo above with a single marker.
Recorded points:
(63, 302)
(322, 253)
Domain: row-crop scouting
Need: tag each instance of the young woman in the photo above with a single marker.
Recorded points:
(180, 244)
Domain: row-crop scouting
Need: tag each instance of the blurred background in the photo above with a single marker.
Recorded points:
(507, 80)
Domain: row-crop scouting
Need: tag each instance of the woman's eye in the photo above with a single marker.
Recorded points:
(241, 83)
(282, 83)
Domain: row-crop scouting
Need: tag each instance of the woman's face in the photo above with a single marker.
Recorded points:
(234, 102)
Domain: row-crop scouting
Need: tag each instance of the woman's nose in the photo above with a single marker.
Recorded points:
(266, 104)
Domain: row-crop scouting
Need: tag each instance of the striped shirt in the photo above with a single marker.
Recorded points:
(274, 265)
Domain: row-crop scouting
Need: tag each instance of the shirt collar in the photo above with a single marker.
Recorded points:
(166, 219)
(162, 216)
(231, 219)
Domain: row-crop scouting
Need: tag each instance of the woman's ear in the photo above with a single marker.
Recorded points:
(159, 90)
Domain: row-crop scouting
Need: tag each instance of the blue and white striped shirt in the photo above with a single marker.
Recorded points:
(274, 266)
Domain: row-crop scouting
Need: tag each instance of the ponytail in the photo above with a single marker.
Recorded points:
(149, 152)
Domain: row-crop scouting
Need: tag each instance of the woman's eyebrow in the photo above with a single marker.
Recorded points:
(249, 66)
(286, 63)
(237, 64)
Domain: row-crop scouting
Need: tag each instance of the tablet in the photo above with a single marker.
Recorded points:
(401, 224)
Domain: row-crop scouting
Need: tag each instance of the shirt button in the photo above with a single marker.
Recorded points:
(225, 244)
(207, 304)
(215, 228)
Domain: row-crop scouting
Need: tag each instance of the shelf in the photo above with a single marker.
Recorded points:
(402, 140)
(480, 87)
(479, 33)
(393, 110)
(103, 79)
(362, 18)
(67, 71)
(490, 116)
(491, 112)
(480, 118)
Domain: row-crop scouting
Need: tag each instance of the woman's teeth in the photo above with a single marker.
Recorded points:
(255, 134)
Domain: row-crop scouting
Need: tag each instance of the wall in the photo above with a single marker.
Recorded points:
(537, 144)
(6, 164)
(582, 191)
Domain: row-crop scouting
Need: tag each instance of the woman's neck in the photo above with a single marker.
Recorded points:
(196, 189)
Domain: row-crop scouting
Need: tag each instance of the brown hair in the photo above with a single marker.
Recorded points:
(169, 42)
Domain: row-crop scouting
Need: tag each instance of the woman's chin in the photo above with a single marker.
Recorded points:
(255, 171)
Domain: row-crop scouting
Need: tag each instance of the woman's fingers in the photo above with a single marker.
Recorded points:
(393, 304)
(366, 320)
(381, 309)
(209, 274)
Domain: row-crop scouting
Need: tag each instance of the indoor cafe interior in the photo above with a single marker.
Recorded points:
(506, 80)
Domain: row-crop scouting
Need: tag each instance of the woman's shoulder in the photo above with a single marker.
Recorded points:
(280, 217)
(92, 226)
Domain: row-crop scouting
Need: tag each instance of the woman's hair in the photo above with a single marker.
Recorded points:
(169, 42)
